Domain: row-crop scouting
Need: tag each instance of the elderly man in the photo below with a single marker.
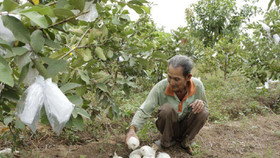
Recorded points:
(182, 105)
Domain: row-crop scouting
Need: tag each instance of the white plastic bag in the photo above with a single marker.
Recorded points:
(163, 155)
(57, 106)
(148, 152)
(30, 104)
(133, 143)
(135, 154)
(92, 14)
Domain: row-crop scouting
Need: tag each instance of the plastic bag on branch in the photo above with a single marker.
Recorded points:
(30, 104)
(57, 106)
(92, 14)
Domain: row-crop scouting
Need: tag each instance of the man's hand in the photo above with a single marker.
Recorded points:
(197, 106)
(131, 133)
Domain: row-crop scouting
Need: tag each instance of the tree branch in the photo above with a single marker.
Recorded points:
(68, 19)
(71, 50)
(50, 4)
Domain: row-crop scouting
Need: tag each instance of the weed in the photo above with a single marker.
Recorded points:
(196, 149)
(234, 98)
(149, 127)
(269, 153)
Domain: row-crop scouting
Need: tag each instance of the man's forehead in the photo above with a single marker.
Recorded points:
(177, 71)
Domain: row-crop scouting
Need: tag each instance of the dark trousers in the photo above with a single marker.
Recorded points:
(183, 131)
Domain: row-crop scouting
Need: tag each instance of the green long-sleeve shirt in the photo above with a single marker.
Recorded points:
(161, 93)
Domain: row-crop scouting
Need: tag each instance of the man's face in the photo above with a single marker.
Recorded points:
(176, 79)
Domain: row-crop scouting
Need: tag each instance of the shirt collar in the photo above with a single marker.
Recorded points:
(192, 89)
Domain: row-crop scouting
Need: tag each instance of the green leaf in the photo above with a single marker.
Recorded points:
(136, 2)
(37, 40)
(55, 66)
(5, 44)
(69, 124)
(99, 53)
(79, 4)
(37, 18)
(79, 123)
(20, 32)
(69, 86)
(19, 50)
(52, 44)
(102, 86)
(269, 5)
(83, 112)
(125, 17)
(104, 31)
(80, 91)
(277, 2)
(62, 4)
(19, 124)
(77, 100)
(86, 55)
(41, 69)
(91, 36)
(160, 55)
(44, 10)
(9, 5)
(6, 73)
(8, 120)
(16, 51)
(116, 21)
(84, 76)
(147, 9)
(63, 13)
(23, 73)
(5, 107)
(110, 54)
(10, 94)
(137, 9)
(74, 112)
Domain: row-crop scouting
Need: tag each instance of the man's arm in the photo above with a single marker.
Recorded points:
(144, 112)
(146, 109)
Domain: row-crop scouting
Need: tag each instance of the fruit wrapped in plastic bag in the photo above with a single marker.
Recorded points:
(30, 104)
(58, 107)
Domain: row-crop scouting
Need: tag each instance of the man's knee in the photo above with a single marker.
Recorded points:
(166, 111)
(203, 115)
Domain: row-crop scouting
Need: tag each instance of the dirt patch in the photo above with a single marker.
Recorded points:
(255, 137)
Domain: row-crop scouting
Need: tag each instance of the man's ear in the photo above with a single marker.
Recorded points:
(189, 77)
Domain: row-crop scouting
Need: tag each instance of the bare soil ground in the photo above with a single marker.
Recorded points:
(255, 137)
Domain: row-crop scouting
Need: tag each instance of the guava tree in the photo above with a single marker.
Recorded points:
(91, 49)
(263, 51)
(218, 25)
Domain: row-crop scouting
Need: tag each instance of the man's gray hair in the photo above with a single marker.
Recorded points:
(182, 61)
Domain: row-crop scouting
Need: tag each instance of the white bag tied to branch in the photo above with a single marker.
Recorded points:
(30, 104)
(44, 92)
(91, 14)
(57, 106)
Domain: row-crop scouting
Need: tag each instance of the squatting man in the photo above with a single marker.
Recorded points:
(182, 106)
